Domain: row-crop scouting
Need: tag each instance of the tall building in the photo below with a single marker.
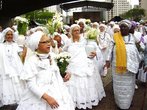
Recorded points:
(120, 7)
(143, 4)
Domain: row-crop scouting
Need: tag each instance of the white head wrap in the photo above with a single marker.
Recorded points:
(102, 25)
(126, 22)
(34, 40)
(112, 22)
(66, 27)
(82, 20)
(95, 23)
(116, 27)
(4, 32)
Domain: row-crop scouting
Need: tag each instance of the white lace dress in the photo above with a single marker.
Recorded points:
(42, 77)
(10, 68)
(85, 84)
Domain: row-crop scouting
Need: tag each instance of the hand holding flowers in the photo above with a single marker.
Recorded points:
(62, 60)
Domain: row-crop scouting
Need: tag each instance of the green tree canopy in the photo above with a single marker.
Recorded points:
(41, 16)
(135, 14)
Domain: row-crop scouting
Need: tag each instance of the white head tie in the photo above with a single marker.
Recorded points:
(34, 40)
(4, 32)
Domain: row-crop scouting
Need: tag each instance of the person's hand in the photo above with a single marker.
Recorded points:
(67, 77)
(52, 43)
(92, 54)
(103, 49)
(51, 101)
(107, 64)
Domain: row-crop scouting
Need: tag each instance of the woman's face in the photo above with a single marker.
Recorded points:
(76, 32)
(124, 29)
(9, 36)
(44, 45)
(58, 39)
(81, 24)
(102, 28)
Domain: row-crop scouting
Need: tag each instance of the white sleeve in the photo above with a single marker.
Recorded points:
(32, 86)
(65, 47)
(111, 46)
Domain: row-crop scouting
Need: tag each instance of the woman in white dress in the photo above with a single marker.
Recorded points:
(85, 84)
(10, 69)
(45, 89)
(125, 64)
(104, 41)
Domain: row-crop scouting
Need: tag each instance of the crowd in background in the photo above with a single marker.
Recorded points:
(30, 76)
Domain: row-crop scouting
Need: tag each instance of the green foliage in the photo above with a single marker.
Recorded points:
(92, 34)
(50, 26)
(41, 16)
(134, 14)
(22, 28)
(62, 60)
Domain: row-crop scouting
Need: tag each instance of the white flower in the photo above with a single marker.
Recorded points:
(21, 19)
(61, 60)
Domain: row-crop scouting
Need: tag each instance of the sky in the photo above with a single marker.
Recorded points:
(134, 2)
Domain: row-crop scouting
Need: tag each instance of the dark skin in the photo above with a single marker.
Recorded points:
(124, 29)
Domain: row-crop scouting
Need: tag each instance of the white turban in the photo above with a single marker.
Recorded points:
(102, 25)
(126, 22)
(4, 32)
(34, 40)
(116, 27)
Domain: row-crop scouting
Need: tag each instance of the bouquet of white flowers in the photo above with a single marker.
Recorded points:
(62, 60)
(22, 25)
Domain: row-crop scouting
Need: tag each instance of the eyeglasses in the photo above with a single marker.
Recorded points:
(45, 42)
(9, 34)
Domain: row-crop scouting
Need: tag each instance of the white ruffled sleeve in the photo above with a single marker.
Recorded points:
(32, 86)
(29, 75)
(29, 70)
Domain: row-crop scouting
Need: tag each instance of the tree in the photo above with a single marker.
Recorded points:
(41, 16)
(135, 14)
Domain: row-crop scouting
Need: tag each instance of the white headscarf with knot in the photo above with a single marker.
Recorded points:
(103, 25)
(4, 32)
(34, 40)
(126, 22)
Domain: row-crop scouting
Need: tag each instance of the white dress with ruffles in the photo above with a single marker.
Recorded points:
(42, 77)
(10, 68)
(85, 84)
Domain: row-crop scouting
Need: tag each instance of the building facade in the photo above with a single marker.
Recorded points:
(120, 7)
(143, 4)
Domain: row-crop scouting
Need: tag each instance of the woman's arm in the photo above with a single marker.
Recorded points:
(32, 86)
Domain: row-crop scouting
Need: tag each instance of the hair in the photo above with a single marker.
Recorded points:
(71, 29)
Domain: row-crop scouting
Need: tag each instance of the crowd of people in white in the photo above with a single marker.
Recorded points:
(30, 77)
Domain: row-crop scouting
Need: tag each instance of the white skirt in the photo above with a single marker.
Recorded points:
(11, 89)
(124, 87)
(86, 91)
